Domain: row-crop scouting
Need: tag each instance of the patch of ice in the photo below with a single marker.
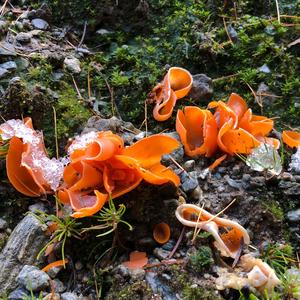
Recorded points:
(295, 162)
(17, 128)
(81, 141)
(265, 157)
(38, 160)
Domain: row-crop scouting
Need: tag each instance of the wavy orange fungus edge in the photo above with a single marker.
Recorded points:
(233, 128)
(291, 138)
(175, 85)
(121, 171)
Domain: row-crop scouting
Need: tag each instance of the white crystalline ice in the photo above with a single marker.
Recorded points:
(295, 162)
(265, 157)
(81, 141)
(39, 162)
(19, 129)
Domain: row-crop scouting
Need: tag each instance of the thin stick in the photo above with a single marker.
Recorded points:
(112, 99)
(225, 77)
(278, 12)
(55, 131)
(178, 165)
(197, 230)
(3, 7)
(89, 83)
(225, 26)
(76, 87)
(83, 35)
(177, 243)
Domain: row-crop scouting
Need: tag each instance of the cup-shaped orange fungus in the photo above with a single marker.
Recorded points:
(291, 138)
(161, 233)
(101, 165)
(229, 235)
(197, 130)
(233, 128)
(137, 260)
(29, 169)
(175, 85)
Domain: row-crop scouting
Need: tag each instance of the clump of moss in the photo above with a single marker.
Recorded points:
(275, 208)
(135, 291)
(199, 293)
(201, 259)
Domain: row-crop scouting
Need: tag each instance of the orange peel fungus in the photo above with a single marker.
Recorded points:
(175, 85)
(232, 128)
(101, 167)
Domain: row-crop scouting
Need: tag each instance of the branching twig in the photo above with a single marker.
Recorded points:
(83, 35)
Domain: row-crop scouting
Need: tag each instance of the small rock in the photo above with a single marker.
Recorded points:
(7, 49)
(37, 207)
(237, 184)
(270, 30)
(295, 162)
(294, 215)
(57, 76)
(22, 63)
(264, 69)
(232, 33)
(137, 274)
(9, 65)
(18, 294)
(197, 193)
(169, 245)
(58, 286)
(140, 136)
(189, 184)
(83, 51)
(202, 88)
(23, 37)
(3, 224)
(69, 296)
(3, 72)
(72, 64)
(33, 279)
(40, 24)
(160, 253)
(189, 165)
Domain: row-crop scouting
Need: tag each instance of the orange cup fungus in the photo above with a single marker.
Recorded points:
(101, 167)
(291, 138)
(161, 233)
(175, 85)
(232, 128)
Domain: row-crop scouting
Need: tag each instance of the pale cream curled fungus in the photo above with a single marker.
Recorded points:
(228, 242)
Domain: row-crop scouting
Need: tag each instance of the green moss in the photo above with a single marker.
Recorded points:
(71, 112)
(135, 291)
(275, 208)
(201, 259)
(199, 293)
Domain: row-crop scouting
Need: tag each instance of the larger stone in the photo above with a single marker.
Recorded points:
(40, 24)
(7, 49)
(201, 88)
(294, 215)
(3, 72)
(22, 248)
(33, 279)
(72, 64)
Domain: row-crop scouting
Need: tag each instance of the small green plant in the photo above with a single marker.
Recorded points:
(291, 283)
(201, 259)
(278, 256)
(110, 217)
(66, 227)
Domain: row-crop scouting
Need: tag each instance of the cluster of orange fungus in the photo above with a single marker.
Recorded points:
(175, 85)
(101, 167)
(232, 128)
